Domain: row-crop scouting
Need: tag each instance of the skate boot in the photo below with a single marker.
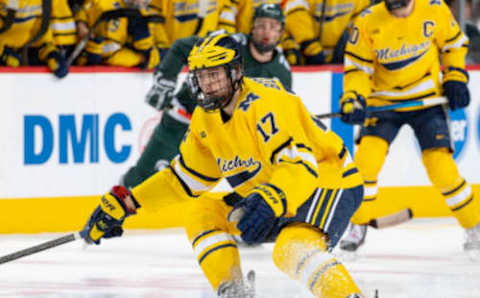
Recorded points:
(238, 289)
(472, 242)
(353, 238)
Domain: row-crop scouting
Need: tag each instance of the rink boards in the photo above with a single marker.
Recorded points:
(66, 142)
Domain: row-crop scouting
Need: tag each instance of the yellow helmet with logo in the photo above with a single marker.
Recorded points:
(216, 50)
(212, 51)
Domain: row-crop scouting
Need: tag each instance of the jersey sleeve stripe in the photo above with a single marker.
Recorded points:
(458, 44)
(300, 162)
(280, 148)
(349, 63)
(455, 37)
(195, 173)
(191, 183)
(183, 184)
(422, 87)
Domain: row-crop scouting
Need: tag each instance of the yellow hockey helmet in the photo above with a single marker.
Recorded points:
(216, 50)
(212, 51)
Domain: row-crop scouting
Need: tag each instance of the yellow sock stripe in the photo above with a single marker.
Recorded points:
(328, 209)
(319, 206)
(467, 201)
(456, 189)
(321, 271)
(370, 190)
(312, 264)
(203, 234)
(209, 242)
(459, 196)
(215, 248)
(304, 259)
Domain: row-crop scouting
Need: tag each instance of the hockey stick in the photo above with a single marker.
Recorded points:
(107, 16)
(378, 223)
(40, 247)
(429, 102)
(392, 219)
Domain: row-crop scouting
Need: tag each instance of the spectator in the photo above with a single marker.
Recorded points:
(318, 31)
(31, 34)
(187, 18)
(124, 41)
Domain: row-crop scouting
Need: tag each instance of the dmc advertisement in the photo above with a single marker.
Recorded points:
(77, 136)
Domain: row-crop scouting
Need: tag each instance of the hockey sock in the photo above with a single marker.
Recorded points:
(300, 251)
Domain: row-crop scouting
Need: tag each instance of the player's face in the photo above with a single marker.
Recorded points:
(214, 82)
(266, 33)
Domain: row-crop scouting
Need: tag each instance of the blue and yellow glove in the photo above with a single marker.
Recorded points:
(313, 52)
(57, 64)
(9, 57)
(455, 88)
(107, 219)
(353, 108)
(260, 210)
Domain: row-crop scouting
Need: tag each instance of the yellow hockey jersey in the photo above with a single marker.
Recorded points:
(270, 139)
(184, 18)
(117, 46)
(244, 10)
(305, 22)
(63, 24)
(27, 22)
(389, 59)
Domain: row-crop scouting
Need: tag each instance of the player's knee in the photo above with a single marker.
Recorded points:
(293, 242)
(441, 167)
(370, 156)
(202, 216)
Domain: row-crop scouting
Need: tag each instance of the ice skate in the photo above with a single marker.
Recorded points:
(472, 242)
(353, 238)
(238, 289)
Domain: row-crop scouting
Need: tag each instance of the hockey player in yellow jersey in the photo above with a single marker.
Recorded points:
(293, 179)
(63, 26)
(318, 27)
(184, 18)
(120, 42)
(394, 55)
(26, 29)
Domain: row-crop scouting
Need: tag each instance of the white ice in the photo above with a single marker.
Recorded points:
(421, 259)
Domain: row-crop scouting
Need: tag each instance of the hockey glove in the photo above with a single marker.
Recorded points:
(293, 56)
(8, 57)
(107, 219)
(457, 94)
(313, 52)
(57, 63)
(353, 108)
(161, 93)
(261, 208)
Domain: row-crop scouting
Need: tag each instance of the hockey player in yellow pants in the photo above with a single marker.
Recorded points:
(294, 180)
(385, 64)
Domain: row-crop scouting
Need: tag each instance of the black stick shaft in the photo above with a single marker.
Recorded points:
(328, 115)
(37, 248)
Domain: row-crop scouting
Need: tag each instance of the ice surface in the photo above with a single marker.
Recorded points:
(421, 259)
